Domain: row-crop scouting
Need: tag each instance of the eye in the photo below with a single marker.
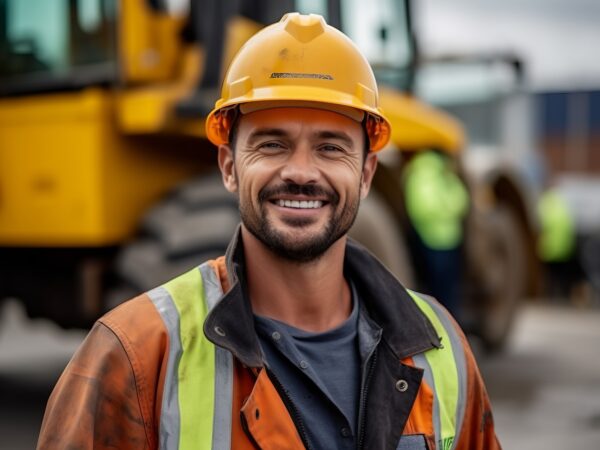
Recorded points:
(331, 149)
(271, 146)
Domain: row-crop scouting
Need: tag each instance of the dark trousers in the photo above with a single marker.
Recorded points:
(440, 273)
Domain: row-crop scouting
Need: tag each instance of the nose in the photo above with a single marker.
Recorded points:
(300, 167)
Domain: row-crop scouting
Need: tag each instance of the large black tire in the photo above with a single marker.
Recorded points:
(197, 222)
(497, 261)
(193, 224)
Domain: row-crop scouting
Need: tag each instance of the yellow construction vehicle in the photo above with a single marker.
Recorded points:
(107, 183)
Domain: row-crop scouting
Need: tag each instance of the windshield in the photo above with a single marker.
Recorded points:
(380, 29)
(449, 83)
(56, 44)
(475, 92)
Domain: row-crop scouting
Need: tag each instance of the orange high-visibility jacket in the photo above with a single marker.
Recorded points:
(181, 367)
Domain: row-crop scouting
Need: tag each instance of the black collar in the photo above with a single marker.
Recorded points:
(406, 329)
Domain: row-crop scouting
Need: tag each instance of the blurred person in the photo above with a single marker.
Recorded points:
(557, 245)
(297, 337)
(437, 203)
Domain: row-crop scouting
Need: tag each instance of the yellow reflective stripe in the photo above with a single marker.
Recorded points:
(196, 371)
(445, 375)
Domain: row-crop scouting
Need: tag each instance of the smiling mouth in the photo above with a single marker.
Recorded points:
(299, 197)
(299, 204)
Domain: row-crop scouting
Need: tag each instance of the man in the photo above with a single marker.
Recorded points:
(557, 244)
(297, 338)
(437, 205)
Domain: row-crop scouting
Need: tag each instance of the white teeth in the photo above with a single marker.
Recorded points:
(304, 204)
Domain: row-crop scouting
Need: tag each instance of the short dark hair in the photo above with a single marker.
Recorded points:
(233, 132)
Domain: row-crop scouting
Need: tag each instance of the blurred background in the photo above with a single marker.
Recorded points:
(108, 184)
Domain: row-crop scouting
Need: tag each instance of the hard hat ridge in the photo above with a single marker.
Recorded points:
(304, 27)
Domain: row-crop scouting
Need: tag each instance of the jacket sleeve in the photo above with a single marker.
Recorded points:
(95, 403)
(477, 431)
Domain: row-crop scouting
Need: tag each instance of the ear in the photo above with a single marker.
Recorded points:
(227, 166)
(368, 172)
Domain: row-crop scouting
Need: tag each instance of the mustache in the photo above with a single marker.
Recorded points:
(308, 190)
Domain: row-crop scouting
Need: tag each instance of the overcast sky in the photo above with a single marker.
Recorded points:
(560, 39)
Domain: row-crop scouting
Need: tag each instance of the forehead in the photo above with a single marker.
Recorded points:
(297, 120)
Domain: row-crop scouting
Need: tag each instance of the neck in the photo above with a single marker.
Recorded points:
(312, 296)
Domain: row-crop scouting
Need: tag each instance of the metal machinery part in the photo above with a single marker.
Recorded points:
(117, 188)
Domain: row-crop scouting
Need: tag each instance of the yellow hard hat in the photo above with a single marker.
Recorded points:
(300, 61)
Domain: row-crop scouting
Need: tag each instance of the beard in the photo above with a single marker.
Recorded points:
(287, 244)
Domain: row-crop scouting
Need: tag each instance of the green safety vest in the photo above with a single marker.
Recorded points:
(198, 385)
(436, 201)
(557, 238)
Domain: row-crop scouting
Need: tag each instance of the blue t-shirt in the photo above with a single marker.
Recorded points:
(320, 373)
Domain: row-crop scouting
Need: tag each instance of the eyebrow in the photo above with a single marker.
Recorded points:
(338, 135)
(267, 132)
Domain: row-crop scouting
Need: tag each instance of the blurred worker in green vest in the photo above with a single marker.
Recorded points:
(557, 239)
(556, 244)
(437, 203)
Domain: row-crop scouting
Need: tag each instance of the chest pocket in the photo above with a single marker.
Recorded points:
(412, 442)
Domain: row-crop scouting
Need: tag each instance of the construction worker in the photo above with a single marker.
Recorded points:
(557, 244)
(297, 337)
(557, 237)
(437, 203)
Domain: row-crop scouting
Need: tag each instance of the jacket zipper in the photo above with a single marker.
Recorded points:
(362, 417)
(291, 407)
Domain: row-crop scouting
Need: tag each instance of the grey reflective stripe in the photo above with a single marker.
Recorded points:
(421, 361)
(412, 442)
(223, 369)
(461, 365)
(169, 413)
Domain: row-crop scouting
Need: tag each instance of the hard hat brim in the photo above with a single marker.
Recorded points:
(217, 130)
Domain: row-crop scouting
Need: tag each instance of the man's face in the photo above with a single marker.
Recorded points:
(300, 174)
